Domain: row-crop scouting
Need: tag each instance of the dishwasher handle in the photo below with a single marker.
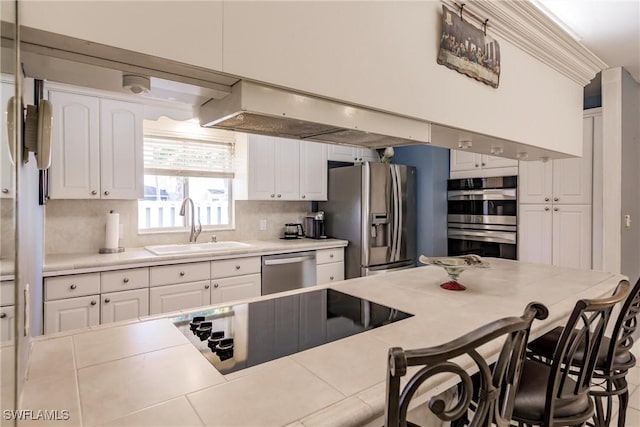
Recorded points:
(292, 260)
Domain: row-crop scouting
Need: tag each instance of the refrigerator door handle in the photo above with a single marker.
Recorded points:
(399, 238)
(394, 202)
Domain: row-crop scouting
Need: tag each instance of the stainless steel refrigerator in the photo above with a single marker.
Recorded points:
(373, 206)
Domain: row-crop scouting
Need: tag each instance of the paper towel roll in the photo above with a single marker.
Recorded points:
(112, 234)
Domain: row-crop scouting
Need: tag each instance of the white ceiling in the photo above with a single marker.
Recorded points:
(608, 28)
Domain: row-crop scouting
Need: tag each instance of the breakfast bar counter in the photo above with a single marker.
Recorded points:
(146, 372)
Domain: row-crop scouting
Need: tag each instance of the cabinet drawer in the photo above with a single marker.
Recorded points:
(179, 273)
(327, 273)
(124, 280)
(7, 293)
(324, 256)
(235, 267)
(75, 285)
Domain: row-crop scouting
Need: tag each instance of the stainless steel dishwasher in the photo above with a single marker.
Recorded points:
(284, 272)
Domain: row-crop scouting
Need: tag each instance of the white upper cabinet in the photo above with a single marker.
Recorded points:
(75, 151)
(313, 171)
(566, 181)
(6, 167)
(121, 147)
(349, 153)
(97, 148)
(465, 164)
(285, 169)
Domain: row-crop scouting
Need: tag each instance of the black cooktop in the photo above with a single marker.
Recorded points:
(238, 336)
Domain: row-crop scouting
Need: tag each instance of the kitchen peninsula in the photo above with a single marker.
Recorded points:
(147, 373)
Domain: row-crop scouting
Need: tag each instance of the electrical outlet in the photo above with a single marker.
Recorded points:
(627, 221)
(263, 224)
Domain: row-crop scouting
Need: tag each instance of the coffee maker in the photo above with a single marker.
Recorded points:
(314, 225)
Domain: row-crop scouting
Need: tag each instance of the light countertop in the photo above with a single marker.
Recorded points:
(146, 373)
(139, 257)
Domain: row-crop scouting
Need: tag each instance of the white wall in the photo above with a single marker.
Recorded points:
(630, 197)
(378, 54)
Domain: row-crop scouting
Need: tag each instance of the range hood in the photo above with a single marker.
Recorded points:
(256, 108)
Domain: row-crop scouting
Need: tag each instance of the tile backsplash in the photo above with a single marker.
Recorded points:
(78, 226)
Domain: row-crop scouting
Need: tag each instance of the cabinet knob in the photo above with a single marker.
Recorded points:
(5, 190)
(360, 159)
(484, 164)
(107, 300)
(206, 286)
(279, 195)
(355, 159)
(93, 302)
(72, 287)
(304, 197)
(330, 255)
(94, 192)
(237, 267)
(477, 165)
(555, 199)
(215, 285)
(330, 277)
(546, 199)
(556, 209)
(125, 280)
(106, 193)
(3, 315)
(546, 209)
(182, 274)
(272, 196)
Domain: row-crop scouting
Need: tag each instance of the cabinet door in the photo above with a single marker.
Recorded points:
(7, 323)
(463, 160)
(572, 236)
(327, 273)
(313, 171)
(125, 305)
(287, 169)
(368, 155)
(262, 168)
(164, 299)
(342, 153)
(235, 288)
(121, 150)
(535, 182)
(72, 313)
(534, 234)
(6, 167)
(75, 151)
(497, 162)
(572, 178)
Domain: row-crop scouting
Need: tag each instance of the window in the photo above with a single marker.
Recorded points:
(176, 168)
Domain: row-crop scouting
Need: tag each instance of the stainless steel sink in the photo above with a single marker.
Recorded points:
(191, 248)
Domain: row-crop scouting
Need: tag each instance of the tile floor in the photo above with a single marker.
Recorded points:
(633, 378)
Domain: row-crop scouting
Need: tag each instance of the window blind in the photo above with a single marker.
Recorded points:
(188, 157)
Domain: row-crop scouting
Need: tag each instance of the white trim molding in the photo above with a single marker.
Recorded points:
(525, 26)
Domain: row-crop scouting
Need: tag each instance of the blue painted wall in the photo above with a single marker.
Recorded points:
(432, 172)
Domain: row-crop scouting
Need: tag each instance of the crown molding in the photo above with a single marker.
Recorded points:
(525, 26)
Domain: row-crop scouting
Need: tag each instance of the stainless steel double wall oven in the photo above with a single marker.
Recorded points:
(483, 216)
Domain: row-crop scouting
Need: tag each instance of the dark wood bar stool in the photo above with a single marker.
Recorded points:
(612, 364)
(557, 394)
(497, 383)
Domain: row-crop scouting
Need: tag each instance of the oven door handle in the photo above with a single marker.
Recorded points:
(483, 236)
(493, 194)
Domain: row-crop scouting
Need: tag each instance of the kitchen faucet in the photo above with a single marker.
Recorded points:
(195, 231)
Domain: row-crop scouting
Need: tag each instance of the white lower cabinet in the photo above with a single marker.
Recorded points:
(7, 322)
(329, 265)
(125, 305)
(164, 299)
(235, 288)
(71, 313)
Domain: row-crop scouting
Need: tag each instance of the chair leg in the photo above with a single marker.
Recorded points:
(623, 400)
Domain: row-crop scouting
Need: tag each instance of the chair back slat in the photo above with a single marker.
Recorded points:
(577, 350)
(497, 383)
(623, 330)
